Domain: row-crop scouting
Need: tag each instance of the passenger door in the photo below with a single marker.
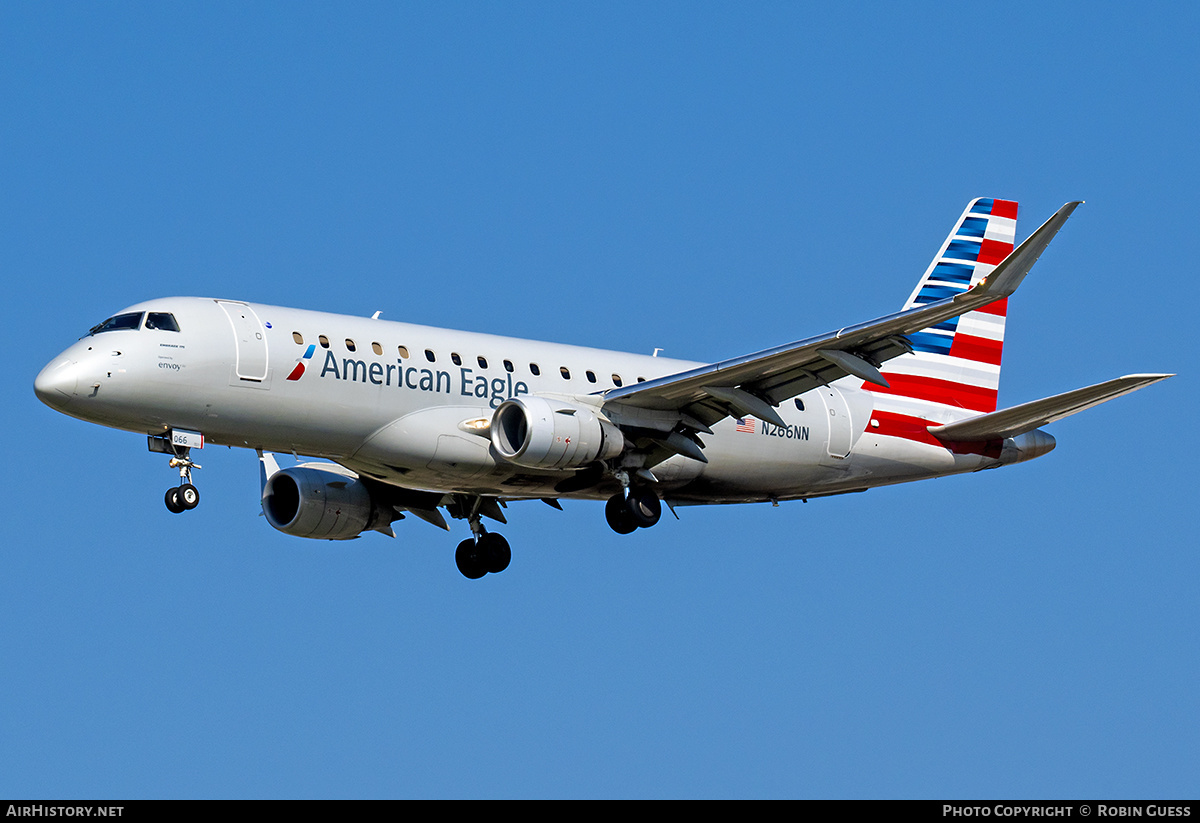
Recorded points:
(250, 339)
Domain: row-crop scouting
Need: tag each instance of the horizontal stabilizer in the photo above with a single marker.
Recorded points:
(1033, 415)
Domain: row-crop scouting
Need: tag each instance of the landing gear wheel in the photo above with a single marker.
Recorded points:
(495, 552)
(172, 501)
(644, 507)
(471, 561)
(188, 496)
(618, 515)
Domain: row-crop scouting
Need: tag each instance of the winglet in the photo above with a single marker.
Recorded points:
(1008, 275)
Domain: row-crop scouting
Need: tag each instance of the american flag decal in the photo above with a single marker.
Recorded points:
(745, 424)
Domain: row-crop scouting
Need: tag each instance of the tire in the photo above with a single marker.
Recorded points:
(171, 498)
(644, 507)
(495, 551)
(618, 516)
(189, 496)
(470, 560)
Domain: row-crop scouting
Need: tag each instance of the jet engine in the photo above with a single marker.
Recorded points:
(543, 433)
(305, 501)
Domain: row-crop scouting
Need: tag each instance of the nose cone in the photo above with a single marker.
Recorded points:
(55, 385)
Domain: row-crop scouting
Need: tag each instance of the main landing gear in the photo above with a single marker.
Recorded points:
(637, 507)
(484, 551)
(476, 556)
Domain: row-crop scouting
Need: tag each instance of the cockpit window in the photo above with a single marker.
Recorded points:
(121, 322)
(161, 320)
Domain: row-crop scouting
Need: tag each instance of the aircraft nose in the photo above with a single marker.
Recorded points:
(55, 385)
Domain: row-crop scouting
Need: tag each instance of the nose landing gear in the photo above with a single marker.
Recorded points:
(185, 496)
(182, 498)
(178, 443)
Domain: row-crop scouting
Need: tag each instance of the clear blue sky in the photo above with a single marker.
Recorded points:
(692, 176)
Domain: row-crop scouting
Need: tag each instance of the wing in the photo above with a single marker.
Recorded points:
(755, 383)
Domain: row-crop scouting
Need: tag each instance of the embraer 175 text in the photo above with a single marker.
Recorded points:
(419, 420)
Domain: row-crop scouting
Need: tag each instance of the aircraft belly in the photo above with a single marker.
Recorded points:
(883, 460)
(430, 441)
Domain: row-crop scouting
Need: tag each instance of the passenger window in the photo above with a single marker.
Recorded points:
(430, 356)
(161, 320)
(402, 351)
(565, 372)
(617, 380)
(121, 322)
(378, 349)
(455, 358)
(590, 375)
(324, 341)
(298, 337)
(350, 345)
(799, 404)
(534, 369)
(482, 361)
(508, 366)
(641, 380)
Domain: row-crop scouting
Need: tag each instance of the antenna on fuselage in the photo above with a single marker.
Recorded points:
(656, 351)
(375, 316)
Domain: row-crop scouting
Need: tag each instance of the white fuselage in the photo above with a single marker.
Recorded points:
(388, 400)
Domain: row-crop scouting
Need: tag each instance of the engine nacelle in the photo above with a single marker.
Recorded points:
(542, 433)
(309, 502)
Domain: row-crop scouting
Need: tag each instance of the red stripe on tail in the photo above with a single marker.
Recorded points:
(993, 251)
(978, 349)
(1004, 208)
(962, 395)
(916, 429)
(999, 308)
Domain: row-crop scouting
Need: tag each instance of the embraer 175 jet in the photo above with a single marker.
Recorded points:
(418, 420)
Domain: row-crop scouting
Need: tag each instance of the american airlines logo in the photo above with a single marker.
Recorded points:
(298, 372)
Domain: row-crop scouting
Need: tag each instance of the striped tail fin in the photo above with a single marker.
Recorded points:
(954, 370)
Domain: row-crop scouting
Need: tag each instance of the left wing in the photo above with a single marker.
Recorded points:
(755, 383)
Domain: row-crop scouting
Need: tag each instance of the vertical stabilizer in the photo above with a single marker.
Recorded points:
(954, 369)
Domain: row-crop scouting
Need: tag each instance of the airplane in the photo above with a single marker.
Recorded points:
(414, 420)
